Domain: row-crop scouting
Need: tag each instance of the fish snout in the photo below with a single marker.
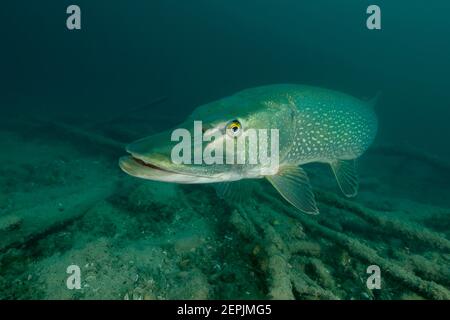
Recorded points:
(153, 148)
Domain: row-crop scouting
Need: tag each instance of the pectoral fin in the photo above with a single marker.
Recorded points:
(346, 176)
(292, 183)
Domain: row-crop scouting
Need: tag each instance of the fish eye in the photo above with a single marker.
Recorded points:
(234, 128)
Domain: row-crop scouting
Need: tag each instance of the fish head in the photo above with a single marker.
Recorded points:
(220, 141)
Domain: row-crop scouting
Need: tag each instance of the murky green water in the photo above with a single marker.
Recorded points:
(72, 99)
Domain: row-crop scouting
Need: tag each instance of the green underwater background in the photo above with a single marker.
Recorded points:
(70, 100)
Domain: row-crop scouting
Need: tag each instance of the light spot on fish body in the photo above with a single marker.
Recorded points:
(332, 131)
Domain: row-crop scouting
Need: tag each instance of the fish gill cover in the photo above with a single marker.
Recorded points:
(81, 81)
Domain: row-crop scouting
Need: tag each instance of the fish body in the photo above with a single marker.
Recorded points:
(312, 125)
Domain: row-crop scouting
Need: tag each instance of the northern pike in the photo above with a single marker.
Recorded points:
(313, 125)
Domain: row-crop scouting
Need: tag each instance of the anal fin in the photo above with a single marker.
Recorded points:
(292, 183)
(346, 175)
(234, 191)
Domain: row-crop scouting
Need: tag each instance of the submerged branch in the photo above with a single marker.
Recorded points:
(30, 223)
(409, 230)
(429, 289)
(411, 153)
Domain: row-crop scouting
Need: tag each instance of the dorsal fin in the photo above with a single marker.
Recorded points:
(374, 101)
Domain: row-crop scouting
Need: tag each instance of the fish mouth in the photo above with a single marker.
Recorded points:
(148, 165)
(139, 168)
(136, 166)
